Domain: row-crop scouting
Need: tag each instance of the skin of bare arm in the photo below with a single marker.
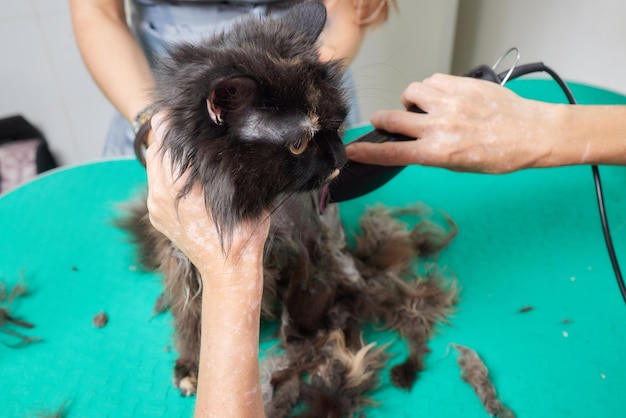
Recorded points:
(232, 279)
(478, 126)
(111, 54)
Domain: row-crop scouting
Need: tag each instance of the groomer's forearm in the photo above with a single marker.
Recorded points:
(228, 379)
(588, 135)
(111, 54)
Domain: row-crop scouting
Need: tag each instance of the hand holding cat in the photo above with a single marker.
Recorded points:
(186, 220)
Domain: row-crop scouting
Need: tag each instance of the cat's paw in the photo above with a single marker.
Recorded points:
(185, 380)
(187, 386)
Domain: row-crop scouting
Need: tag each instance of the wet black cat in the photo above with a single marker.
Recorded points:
(256, 119)
(254, 113)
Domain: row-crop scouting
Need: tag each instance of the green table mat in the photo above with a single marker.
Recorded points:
(531, 238)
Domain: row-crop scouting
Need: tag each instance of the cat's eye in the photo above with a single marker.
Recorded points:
(299, 147)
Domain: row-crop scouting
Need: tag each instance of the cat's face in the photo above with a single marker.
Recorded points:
(285, 130)
(254, 113)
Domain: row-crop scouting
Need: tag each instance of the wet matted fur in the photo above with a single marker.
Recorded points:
(255, 118)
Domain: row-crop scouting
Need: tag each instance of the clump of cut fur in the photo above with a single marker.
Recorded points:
(475, 373)
(8, 321)
(61, 412)
(335, 367)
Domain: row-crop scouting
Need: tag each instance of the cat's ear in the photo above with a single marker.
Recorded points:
(231, 95)
(308, 17)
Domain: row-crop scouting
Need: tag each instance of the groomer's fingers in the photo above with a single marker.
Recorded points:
(158, 163)
(163, 184)
(394, 153)
(159, 124)
(399, 121)
(441, 81)
(422, 95)
(450, 84)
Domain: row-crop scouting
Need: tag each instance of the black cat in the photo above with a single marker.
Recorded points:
(255, 118)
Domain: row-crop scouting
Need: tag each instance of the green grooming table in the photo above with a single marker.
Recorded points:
(528, 239)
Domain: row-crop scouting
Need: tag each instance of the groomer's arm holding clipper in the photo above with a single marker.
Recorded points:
(479, 126)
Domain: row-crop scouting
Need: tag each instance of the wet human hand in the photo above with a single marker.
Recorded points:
(185, 219)
(469, 125)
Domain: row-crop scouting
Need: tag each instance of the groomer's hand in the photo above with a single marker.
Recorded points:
(186, 221)
(470, 125)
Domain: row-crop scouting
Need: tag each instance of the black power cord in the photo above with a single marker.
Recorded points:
(541, 67)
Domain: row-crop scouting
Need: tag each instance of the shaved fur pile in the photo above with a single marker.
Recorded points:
(331, 369)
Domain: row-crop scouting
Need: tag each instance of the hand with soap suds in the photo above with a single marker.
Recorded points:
(479, 126)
